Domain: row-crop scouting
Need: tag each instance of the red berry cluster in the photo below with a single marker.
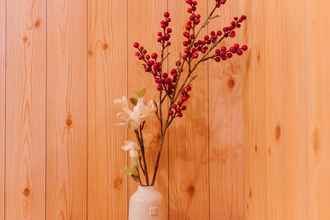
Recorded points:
(189, 33)
(167, 82)
(164, 81)
(176, 110)
(165, 36)
(219, 3)
(236, 23)
(223, 53)
(194, 48)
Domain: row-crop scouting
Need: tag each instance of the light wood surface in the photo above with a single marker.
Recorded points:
(107, 77)
(317, 74)
(25, 110)
(2, 106)
(227, 144)
(254, 144)
(66, 110)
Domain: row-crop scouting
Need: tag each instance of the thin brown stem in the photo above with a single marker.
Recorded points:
(139, 137)
(157, 161)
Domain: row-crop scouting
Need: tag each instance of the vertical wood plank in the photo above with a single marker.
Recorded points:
(107, 80)
(317, 65)
(2, 106)
(188, 138)
(227, 137)
(143, 24)
(67, 110)
(287, 108)
(256, 150)
(25, 110)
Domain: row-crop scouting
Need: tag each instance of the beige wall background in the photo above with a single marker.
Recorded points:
(254, 145)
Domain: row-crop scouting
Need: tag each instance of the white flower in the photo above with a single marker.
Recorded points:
(131, 148)
(134, 117)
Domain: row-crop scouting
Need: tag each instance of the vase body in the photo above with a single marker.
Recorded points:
(145, 204)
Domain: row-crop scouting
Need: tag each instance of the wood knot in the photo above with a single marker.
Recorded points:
(105, 46)
(231, 83)
(26, 192)
(25, 39)
(256, 148)
(191, 190)
(69, 121)
(90, 53)
(250, 193)
(37, 23)
(258, 57)
(117, 183)
(278, 132)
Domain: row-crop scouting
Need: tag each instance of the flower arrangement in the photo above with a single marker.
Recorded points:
(174, 86)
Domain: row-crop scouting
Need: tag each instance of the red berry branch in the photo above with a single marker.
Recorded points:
(174, 86)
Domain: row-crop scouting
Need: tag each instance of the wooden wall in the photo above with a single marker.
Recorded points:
(254, 145)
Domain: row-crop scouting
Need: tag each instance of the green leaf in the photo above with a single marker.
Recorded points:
(141, 93)
(133, 101)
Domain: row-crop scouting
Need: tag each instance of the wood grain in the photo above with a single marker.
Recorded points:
(256, 147)
(254, 144)
(107, 80)
(25, 110)
(227, 143)
(286, 111)
(188, 139)
(3, 10)
(317, 74)
(67, 110)
(148, 14)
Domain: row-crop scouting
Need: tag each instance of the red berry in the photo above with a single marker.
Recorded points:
(232, 34)
(244, 47)
(173, 72)
(166, 14)
(154, 56)
(239, 52)
(136, 45)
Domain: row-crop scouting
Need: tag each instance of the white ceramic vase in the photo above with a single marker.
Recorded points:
(145, 204)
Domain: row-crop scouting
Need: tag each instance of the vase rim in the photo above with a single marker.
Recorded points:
(146, 187)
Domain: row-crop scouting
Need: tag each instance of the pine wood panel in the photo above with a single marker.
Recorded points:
(2, 105)
(143, 24)
(227, 143)
(25, 110)
(256, 148)
(318, 33)
(107, 72)
(286, 111)
(188, 139)
(66, 110)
